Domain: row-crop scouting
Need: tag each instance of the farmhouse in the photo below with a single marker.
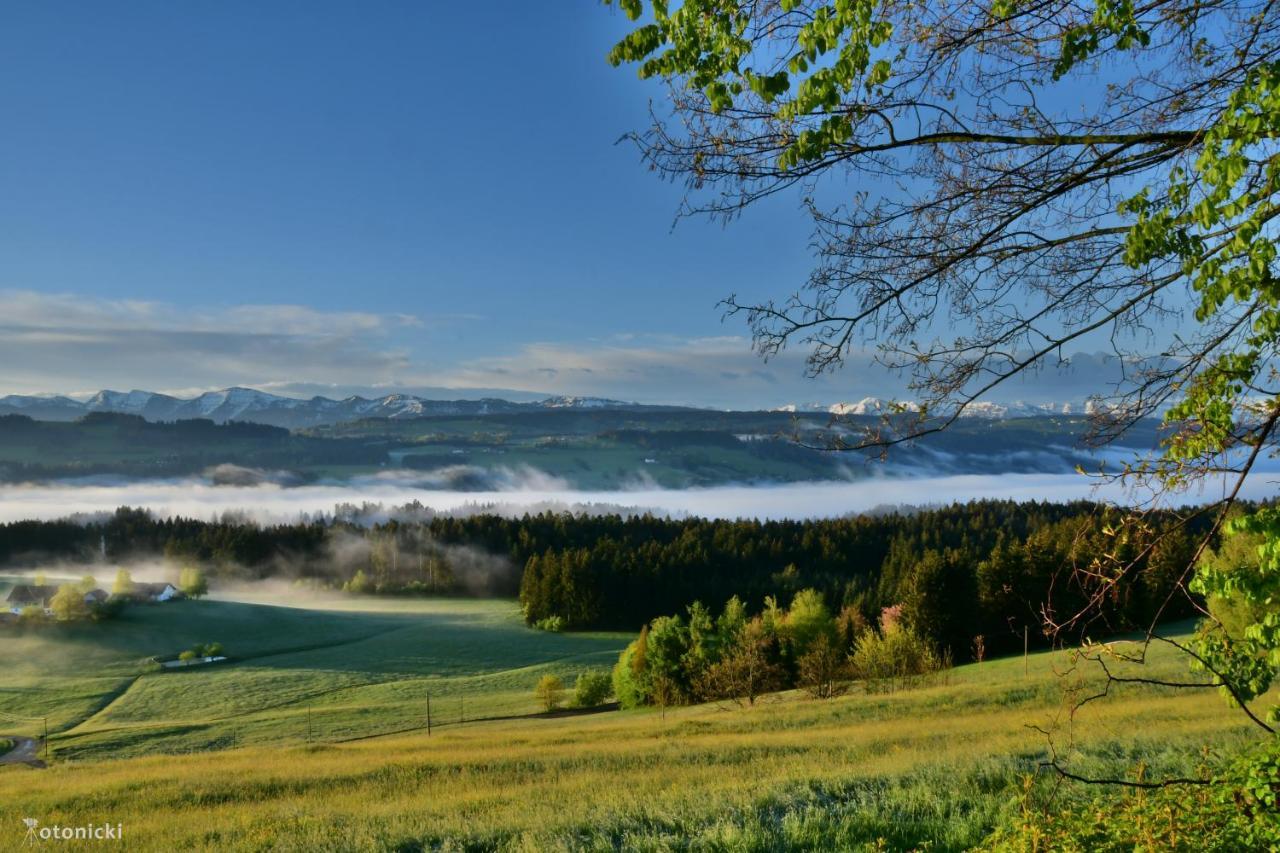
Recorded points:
(32, 595)
(152, 592)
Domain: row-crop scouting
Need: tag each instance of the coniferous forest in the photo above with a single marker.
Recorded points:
(987, 569)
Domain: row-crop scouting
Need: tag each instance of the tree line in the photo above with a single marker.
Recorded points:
(986, 569)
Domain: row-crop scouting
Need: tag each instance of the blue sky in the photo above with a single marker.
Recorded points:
(322, 197)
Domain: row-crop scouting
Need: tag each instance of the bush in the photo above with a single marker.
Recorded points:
(823, 671)
(550, 692)
(188, 655)
(1240, 810)
(591, 689)
(555, 624)
(32, 614)
(630, 680)
(747, 668)
(895, 656)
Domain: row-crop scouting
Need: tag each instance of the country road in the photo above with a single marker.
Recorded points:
(25, 751)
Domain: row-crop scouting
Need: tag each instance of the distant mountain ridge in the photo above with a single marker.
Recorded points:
(246, 404)
(990, 411)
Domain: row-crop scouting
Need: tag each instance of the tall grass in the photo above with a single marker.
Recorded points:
(940, 766)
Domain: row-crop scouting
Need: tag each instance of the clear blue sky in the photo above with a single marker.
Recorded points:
(332, 197)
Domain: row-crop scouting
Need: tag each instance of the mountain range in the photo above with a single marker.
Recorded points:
(247, 404)
(989, 411)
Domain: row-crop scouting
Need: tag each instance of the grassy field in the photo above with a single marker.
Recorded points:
(938, 765)
(334, 669)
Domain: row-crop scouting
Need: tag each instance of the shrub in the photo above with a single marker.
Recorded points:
(68, 604)
(631, 684)
(550, 692)
(823, 671)
(747, 668)
(123, 584)
(555, 624)
(1240, 810)
(188, 655)
(894, 656)
(591, 689)
(193, 583)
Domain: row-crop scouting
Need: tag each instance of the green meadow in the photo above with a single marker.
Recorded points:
(937, 766)
(328, 670)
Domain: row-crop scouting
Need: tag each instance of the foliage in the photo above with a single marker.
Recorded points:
(824, 670)
(734, 656)
(747, 669)
(31, 614)
(203, 650)
(68, 604)
(359, 583)
(1241, 811)
(592, 688)
(549, 692)
(193, 583)
(123, 584)
(808, 621)
(895, 656)
(1028, 225)
(630, 679)
(1245, 656)
(554, 624)
(616, 573)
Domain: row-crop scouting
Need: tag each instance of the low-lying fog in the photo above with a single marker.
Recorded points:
(198, 498)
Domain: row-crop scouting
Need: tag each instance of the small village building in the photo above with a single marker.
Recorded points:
(29, 595)
(33, 595)
(152, 592)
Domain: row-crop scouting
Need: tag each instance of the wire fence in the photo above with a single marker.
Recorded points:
(298, 724)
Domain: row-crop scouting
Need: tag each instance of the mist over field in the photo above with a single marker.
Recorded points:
(274, 502)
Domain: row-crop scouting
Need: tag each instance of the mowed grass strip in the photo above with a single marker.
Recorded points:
(325, 667)
(941, 764)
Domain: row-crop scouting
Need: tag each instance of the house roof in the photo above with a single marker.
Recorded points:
(151, 588)
(96, 595)
(31, 594)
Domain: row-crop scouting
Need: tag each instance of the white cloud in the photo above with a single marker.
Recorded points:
(67, 343)
(715, 371)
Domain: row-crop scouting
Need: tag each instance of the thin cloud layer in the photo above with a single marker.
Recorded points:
(68, 343)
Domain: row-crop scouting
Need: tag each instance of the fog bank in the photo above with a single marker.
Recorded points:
(272, 502)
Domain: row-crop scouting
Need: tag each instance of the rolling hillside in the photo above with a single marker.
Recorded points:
(940, 765)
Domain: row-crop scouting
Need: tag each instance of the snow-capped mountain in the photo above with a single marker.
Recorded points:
(875, 406)
(246, 404)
